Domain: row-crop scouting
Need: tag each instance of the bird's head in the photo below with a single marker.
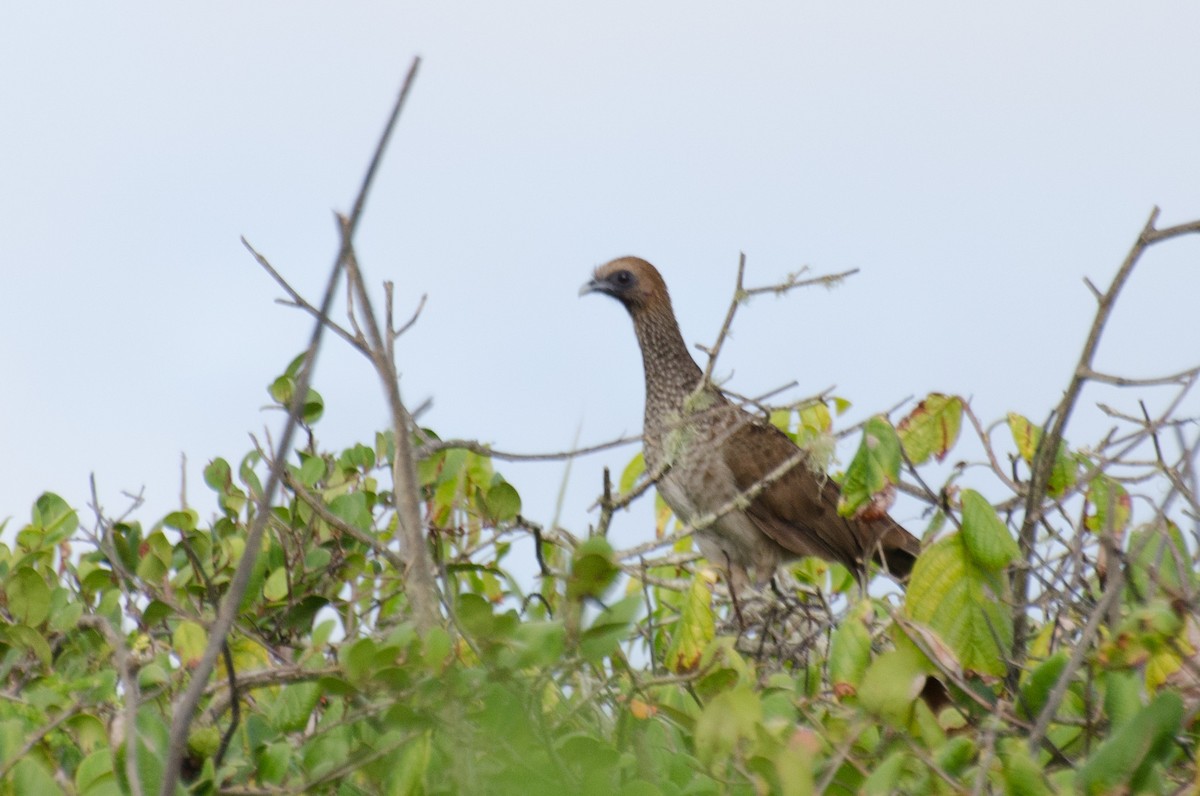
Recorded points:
(631, 281)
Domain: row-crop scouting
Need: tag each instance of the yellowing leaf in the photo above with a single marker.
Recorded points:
(1025, 435)
(641, 710)
(1109, 506)
(815, 417)
(1027, 438)
(662, 517)
(932, 428)
(872, 475)
(694, 629)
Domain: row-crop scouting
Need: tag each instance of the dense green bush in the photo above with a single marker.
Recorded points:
(595, 683)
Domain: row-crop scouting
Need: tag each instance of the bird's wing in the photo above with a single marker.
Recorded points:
(799, 510)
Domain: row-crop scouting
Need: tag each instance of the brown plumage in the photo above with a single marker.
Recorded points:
(711, 451)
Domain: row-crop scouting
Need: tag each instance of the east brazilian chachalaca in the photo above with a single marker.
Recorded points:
(712, 456)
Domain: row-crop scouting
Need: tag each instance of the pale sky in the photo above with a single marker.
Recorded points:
(975, 162)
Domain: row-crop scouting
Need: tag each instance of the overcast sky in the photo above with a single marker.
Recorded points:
(974, 161)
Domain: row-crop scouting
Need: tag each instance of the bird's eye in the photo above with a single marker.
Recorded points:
(624, 278)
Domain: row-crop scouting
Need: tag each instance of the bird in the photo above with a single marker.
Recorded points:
(711, 456)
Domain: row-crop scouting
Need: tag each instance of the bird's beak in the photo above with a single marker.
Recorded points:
(591, 286)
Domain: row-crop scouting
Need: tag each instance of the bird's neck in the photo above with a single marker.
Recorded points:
(671, 373)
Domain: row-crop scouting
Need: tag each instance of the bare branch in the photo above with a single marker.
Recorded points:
(184, 708)
(296, 300)
(1121, 381)
(1047, 450)
(436, 446)
(738, 297)
(419, 583)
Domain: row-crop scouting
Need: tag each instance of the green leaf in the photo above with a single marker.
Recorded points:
(203, 741)
(292, 708)
(730, 718)
(312, 469)
(850, 650)
(870, 480)
(956, 755)
(1160, 562)
(151, 740)
(28, 597)
(502, 502)
(1109, 506)
(965, 604)
(352, 508)
(694, 630)
(95, 776)
(358, 659)
(892, 684)
(182, 520)
(218, 475)
(30, 775)
(52, 514)
(932, 428)
(1125, 762)
(273, 761)
(538, 644)
(152, 675)
(1122, 696)
(408, 776)
(632, 472)
(886, 775)
(988, 541)
(64, 611)
(593, 570)
(276, 586)
(794, 765)
(283, 390)
(609, 629)
(1022, 774)
(190, 640)
(1035, 691)
(296, 365)
(314, 407)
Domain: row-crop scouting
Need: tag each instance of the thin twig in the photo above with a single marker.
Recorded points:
(419, 584)
(184, 708)
(715, 351)
(1048, 446)
(436, 446)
